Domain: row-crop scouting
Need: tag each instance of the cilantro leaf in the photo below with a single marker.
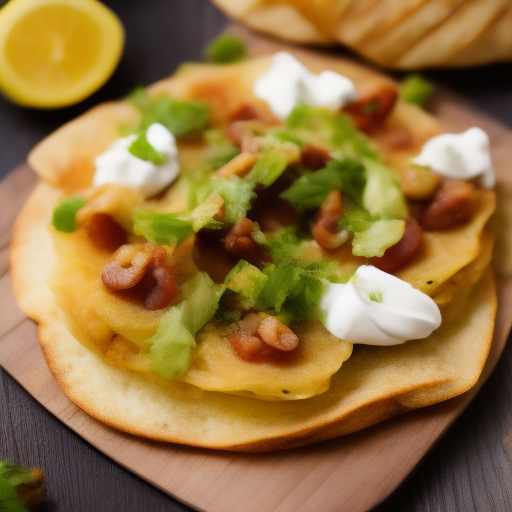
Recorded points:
(179, 117)
(141, 148)
(310, 190)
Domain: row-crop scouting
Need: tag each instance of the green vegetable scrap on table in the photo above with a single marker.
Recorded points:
(225, 49)
(415, 89)
(21, 489)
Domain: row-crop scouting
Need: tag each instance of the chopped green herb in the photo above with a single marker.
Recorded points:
(332, 130)
(64, 214)
(415, 89)
(225, 49)
(142, 149)
(376, 297)
(179, 117)
(310, 190)
(296, 286)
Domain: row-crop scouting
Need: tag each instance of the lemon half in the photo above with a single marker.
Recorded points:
(55, 53)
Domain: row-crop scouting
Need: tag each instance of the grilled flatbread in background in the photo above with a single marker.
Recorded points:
(406, 34)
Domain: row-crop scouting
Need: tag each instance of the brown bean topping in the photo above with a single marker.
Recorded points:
(396, 256)
(314, 157)
(249, 339)
(238, 240)
(419, 183)
(149, 277)
(451, 206)
(325, 224)
(276, 334)
(115, 277)
(165, 289)
(395, 139)
(104, 232)
(373, 106)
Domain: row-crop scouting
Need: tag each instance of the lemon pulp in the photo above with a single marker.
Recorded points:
(56, 52)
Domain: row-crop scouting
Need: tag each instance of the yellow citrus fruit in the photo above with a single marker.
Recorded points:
(55, 53)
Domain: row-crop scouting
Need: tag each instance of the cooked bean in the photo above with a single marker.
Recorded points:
(451, 206)
(373, 106)
(276, 334)
(314, 157)
(396, 256)
(325, 224)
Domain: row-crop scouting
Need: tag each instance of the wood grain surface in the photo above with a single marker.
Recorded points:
(376, 459)
(470, 469)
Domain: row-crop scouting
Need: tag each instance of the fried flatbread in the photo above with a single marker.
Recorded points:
(374, 383)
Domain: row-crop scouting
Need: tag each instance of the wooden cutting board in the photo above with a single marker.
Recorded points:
(352, 473)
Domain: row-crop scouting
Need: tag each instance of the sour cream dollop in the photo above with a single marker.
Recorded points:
(288, 83)
(459, 155)
(376, 308)
(118, 165)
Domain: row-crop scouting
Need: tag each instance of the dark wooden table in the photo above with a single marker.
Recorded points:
(469, 470)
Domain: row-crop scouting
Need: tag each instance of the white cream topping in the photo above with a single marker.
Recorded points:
(397, 313)
(118, 165)
(288, 83)
(459, 155)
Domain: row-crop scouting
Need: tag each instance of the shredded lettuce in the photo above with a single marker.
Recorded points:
(179, 117)
(64, 214)
(310, 190)
(237, 194)
(171, 346)
(161, 228)
(382, 196)
(220, 149)
(247, 281)
(225, 49)
(332, 130)
(296, 286)
(269, 167)
(381, 235)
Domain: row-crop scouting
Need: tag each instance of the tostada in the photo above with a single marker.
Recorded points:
(259, 255)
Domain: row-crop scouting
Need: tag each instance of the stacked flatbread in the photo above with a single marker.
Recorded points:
(401, 34)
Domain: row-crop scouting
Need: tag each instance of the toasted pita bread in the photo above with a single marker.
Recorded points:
(373, 384)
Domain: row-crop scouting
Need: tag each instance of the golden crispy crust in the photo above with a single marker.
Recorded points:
(374, 384)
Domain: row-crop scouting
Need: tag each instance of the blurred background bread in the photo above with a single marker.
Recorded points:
(401, 34)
